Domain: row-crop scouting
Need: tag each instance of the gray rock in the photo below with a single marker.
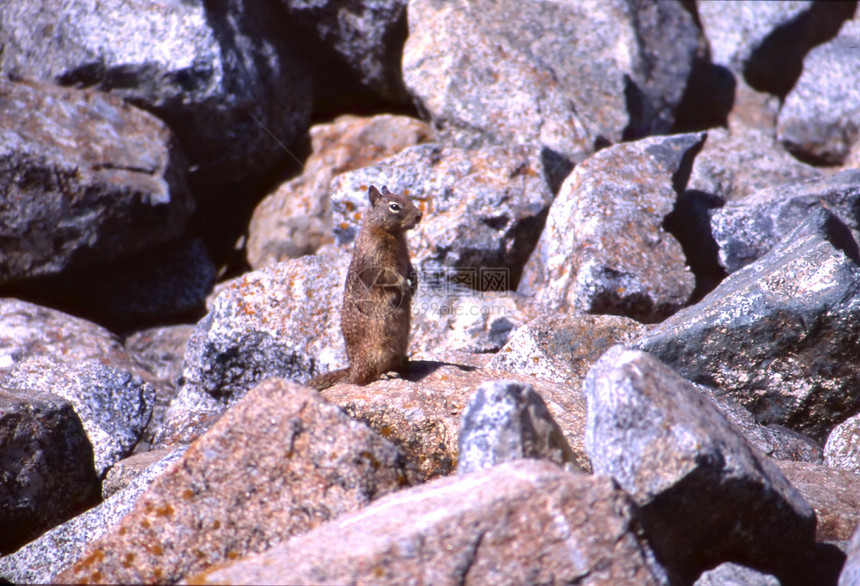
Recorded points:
(296, 219)
(523, 522)
(739, 163)
(562, 348)
(28, 330)
(46, 466)
(851, 571)
(84, 178)
(483, 209)
(114, 404)
(679, 458)
(820, 119)
(604, 249)
(567, 76)
(222, 75)
(368, 35)
(160, 350)
(729, 574)
(842, 450)
(745, 230)
(778, 335)
(767, 41)
(506, 421)
(39, 562)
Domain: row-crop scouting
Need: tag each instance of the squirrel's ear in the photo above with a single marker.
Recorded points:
(373, 195)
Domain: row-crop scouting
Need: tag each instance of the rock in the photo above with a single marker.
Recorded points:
(777, 336)
(523, 522)
(46, 466)
(729, 574)
(506, 421)
(739, 163)
(745, 230)
(367, 35)
(483, 209)
(421, 413)
(113, 403)
(561, 348)
(222, 75)
(28, 330)
(85, 178)
(842, 450)
(819, 120)
(159, 284)
(40, 561)
(604, 249)
(851, 572)
(679, 458)
(280, 321)
(766, 43)
(487, 78)
(280, 462)
(127, 471)
(834, 494)
(296, 219)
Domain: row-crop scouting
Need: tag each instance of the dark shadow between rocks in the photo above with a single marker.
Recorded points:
(417, 370)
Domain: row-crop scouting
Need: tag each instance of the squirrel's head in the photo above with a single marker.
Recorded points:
(394, 211)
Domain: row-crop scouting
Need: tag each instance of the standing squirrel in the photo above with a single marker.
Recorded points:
(377, 296)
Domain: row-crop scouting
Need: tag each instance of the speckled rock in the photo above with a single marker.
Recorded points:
(483, 208)
(842, 450)
(834, 494)
(40, 561)
(84, 178)
(820, 119)
(281, 462)
(567, 76)
(778, 335)
(46, 466)
(421, 413)
(296, 218)
(561, 348)
(604, 249)
(729, 574)
(28, 330)
(114, 404)
(507, 420)
(766, 41)
(679, 458)
(851, 572)
(525, 522)
(222, 75)
(367, 35)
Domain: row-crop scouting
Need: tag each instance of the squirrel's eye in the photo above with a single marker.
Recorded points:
(394, 207)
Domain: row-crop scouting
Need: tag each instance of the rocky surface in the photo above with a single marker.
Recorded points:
(842, 449)
(40, 561)
(221, 75)
(834, 494)
(604, 238)
(84, 178)
(775, 335)
(517, 523)
(46, 464)
(296, 219)
(678, 457)
(851, 573)
(226, 498)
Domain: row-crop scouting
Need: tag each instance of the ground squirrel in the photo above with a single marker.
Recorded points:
(377, 296)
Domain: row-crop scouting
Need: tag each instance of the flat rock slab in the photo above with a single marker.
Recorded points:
(46, 466)
(281, 462)
(84, 178)
(746, 229)
(421, 413)
(604, 249)
(778, 336)
(525, 522)
(680, 459)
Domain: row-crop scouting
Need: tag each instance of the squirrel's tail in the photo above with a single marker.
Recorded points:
(328, 379)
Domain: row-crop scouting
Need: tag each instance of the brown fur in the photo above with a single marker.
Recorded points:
(377, 298)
